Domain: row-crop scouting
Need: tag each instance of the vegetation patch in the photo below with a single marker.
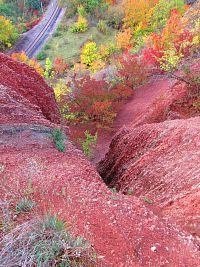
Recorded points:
(45, 242)
(59, 140)
(89, 143)
(147, 200)
(25, 205)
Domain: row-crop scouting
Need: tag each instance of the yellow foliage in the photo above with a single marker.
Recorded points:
(104, 51)
(8, 33)
(170, 59)
(22, 57)
(97, 65)
(89, 53)
(94, 58)
(60, 89)
(79, 67)
(81, 25)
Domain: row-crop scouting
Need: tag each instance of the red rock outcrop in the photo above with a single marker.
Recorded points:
(161, 162)
(25, 97)
(125, 230)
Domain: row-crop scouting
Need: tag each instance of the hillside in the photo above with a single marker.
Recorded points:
(124, 230)
(99, 156)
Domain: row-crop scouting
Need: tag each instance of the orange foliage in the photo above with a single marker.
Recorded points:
(111, 2)
(174, 36)
(173, 43)
(136, 11)
(22, 57)
(60, 66)
(123, 39)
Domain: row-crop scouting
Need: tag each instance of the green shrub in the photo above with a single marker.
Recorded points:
(6, 218)
(47, 47)
(59, 140)
(81, 11)
(8, 10)
(130, 191)
(48, 73)
(41, 55)
(43, 243)
(89, 143)
(57, 33)
(89, 5)
(147, 200)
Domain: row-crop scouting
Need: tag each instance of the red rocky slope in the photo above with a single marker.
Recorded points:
(25, 97)
(159, 161)
(125, 230)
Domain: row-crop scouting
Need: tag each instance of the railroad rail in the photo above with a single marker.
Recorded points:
(36, 43)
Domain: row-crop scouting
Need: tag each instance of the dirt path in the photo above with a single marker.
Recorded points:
(132, 111)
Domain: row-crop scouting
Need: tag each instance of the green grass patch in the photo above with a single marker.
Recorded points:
(68, 45)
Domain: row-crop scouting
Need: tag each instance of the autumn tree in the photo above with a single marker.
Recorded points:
(8, 33)
(136, 11)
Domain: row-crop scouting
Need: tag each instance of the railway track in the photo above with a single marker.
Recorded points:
(41, 36)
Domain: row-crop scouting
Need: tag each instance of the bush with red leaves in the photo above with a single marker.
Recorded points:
(133, 72)
(174, 37)
(60, 66)
(33, 23)
(91, 100)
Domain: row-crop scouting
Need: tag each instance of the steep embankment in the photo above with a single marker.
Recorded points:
(25, 98)
(125, 231)
(161, 162)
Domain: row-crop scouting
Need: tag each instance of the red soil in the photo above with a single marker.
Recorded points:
(22, 105)
(124, 230)
(158, 160)
(136, 110)
(160, 99)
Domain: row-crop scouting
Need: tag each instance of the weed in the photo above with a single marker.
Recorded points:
(25, 205)
(147, 200)
(130, 191)
(113, 190)
(196, 105)
(57, 34)
(47, 47)
(58, 137)
(45, 242)
(102, 27)
(90, 141)
(5, 216)
(80, 26)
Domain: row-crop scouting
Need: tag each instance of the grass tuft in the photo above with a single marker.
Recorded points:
(59, 140)
(25, 205)
(43, 243)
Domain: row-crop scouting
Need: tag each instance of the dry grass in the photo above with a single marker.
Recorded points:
(45, 243)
